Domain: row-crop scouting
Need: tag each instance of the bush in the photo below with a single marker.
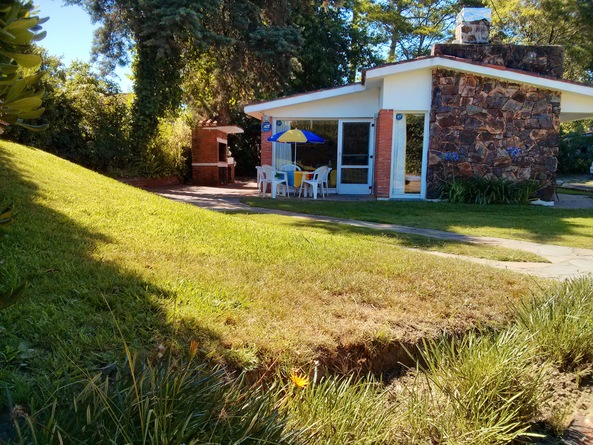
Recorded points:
(479, 190)
(560, 323)
(575, 153)
(168, 151)
(87, 118)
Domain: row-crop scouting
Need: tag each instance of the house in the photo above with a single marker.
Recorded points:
(470, 108)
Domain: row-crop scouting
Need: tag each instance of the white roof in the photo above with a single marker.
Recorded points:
(579, 103)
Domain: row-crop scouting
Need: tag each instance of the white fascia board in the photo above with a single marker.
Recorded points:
(258, 110)
(487, 71)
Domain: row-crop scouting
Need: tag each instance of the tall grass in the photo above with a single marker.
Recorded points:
(482, 389)
(164, 401)
(341, 411)
(560, 323)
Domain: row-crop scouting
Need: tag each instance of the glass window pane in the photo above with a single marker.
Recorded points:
(355, 145)
(355, 175)
(414, 144)
(311, 156)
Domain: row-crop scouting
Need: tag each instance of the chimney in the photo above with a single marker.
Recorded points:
(473, 25)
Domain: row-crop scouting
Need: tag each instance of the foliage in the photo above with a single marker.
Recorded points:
(549, 22)
(409, 28)
(164, 401)
(481, 389)
(168, 151)
(575, 153)
(87, 116)
(20, 96)
(560, 321)
(336, 46)
(483, 190)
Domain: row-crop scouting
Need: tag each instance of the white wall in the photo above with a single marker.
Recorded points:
(575, 106)
(408, 91)
(362, 104)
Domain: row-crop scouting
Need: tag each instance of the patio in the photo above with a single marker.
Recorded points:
(228, 197)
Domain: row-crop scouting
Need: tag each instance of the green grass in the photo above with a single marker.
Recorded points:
(569, 191)
(398, 239)
(97, 252)
(572, 228)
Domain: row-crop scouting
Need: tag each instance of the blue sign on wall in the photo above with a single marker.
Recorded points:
(266, 127)
(399, 116)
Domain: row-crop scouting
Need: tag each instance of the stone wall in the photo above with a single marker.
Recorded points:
(543, 60)
(480, 119)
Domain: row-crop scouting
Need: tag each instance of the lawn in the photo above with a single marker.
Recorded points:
(399, 239)
(546, 225)
(101, 256)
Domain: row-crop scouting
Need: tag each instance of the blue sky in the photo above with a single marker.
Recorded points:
(70, 35)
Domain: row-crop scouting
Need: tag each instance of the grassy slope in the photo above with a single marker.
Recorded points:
(528, 223)
(169, 272)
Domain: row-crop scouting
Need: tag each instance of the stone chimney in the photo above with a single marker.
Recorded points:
(473, 26)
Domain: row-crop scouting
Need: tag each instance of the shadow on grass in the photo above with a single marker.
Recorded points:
(406, 240)
(532, 223)
(78, 309)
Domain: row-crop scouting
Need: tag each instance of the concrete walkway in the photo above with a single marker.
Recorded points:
(565, 262)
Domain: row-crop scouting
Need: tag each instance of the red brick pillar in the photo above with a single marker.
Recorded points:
(266, 146)
(383, 148)
(205, 157)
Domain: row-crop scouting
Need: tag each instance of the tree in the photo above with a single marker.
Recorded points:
(336, 45)
(157, 32)
(20, 99)
(550, 22)
(86, 114)
(409, 28)
(252, 58)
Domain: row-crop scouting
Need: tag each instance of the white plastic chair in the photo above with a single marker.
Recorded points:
(315, 182)
(325, 181)
(290, 169)
(260, 176)
(276, 178)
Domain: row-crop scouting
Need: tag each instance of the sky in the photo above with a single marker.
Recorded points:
(70, 35)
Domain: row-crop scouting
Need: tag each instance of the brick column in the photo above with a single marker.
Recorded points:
(266, 147)
(383, 148)
(205, 157)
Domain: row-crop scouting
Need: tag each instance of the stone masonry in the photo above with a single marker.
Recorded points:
(481, 120)
(543, 60)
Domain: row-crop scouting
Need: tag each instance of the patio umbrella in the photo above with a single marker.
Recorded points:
(295, 136)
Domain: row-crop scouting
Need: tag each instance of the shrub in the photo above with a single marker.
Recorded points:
(480, 190)
(575, 153)
(168, 151)
(560, 322)
(482, 389)
(163, 401)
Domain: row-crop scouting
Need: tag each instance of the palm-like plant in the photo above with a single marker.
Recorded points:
(20, 98)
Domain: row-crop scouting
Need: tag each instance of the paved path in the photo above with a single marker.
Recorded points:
(565, 262)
